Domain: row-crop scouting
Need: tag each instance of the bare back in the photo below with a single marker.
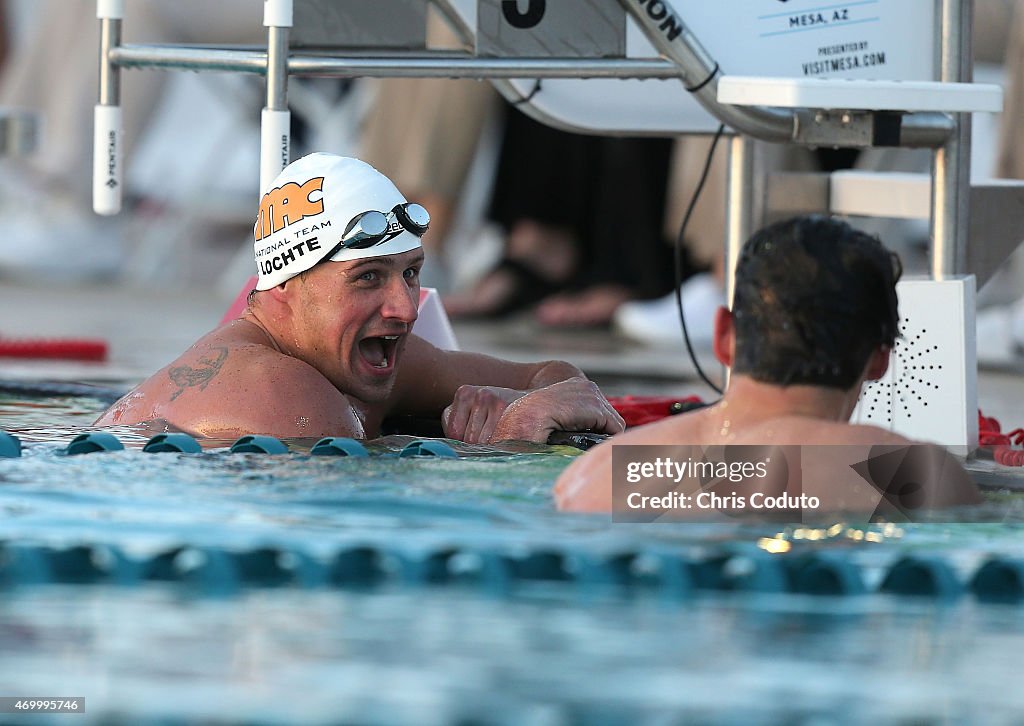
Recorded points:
(587, 484)
(234, 380)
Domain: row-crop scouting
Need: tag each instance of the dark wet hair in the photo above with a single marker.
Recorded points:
(814, 297)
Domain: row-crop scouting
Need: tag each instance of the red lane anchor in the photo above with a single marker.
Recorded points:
(638, 410)
(82, 349)
(990, 435)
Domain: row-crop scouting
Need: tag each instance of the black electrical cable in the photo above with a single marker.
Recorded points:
(679, 257)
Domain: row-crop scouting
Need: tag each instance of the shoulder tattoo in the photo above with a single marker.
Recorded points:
(207, 367)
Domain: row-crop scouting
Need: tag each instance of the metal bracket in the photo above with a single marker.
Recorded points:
(856, 129)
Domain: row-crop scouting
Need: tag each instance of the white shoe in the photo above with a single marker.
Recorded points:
(656, 322)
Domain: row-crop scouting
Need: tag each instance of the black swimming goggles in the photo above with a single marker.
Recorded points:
(372, 228)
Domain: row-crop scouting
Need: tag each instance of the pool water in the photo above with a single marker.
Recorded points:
(223, 588)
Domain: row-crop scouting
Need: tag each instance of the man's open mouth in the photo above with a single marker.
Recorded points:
(379, 351)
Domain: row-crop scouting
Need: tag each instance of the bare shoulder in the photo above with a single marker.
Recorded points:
(280, 395)
(830, 451)
(230, 383)
(586, 484)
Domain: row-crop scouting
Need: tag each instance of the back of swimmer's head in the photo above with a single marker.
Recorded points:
(305, 212)
(814, 298)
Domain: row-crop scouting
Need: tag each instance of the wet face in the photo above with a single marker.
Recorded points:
(352, 320)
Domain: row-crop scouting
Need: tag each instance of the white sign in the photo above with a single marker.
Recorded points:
(875, 39)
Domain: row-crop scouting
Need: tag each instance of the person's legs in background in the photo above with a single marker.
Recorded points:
(53, 69)
(583, 216)
(625, 257)
(55, 177)
(423, 133)
(656, 322)
(539, 197)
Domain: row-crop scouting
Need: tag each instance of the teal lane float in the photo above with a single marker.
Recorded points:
(661, 573)
(338, 446)
(428, 447)
(94, 442)
(249, 444)
(178, 442)
(10, 446)
(259, 445)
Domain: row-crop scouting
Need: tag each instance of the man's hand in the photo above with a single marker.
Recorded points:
(575, 404)
(475, 412)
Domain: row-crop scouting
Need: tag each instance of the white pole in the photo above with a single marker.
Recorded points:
(275, 129)
(112, 9)
(277, 13)
(107, 159)
(108, 129)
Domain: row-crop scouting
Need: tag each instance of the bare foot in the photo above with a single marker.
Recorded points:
(591, 307)
(538, 261)
(551, 251)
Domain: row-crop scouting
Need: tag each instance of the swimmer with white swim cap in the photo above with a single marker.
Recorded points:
(325, 346)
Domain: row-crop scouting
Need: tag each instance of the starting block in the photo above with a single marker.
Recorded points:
(882, 39)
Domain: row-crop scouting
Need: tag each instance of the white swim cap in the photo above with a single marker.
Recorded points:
(305, 213)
